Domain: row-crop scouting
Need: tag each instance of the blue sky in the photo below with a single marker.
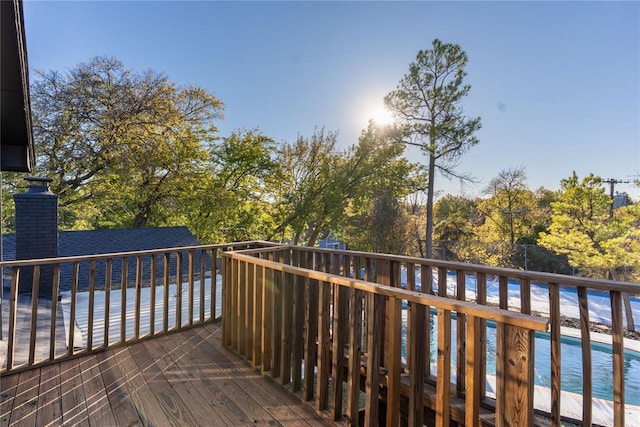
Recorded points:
(557, 84)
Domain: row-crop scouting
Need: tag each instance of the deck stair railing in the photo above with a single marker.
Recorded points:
(317, 321)
(272, 301)
(108, 300)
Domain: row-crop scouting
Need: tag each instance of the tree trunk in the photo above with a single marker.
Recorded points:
(428, 246)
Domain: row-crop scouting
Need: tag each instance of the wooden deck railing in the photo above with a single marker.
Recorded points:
(108, 300)
(514, 292)
(289, 312)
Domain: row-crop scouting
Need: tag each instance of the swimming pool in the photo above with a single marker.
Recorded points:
(570, 358)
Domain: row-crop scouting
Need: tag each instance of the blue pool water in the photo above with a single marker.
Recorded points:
(571, 362)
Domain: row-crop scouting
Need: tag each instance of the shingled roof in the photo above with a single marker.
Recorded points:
(93, 242)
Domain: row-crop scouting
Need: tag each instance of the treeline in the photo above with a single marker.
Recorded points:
(133, 149)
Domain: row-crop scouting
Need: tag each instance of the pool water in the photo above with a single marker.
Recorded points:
(570, 359)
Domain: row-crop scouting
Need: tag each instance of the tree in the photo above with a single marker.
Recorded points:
(427, 106)
(582, 229)
(119, 144)
(232, 199)
(323, 187)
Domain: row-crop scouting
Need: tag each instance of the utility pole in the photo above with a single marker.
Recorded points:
(612, 183)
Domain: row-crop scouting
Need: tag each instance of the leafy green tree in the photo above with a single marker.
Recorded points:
(231, 200)
(456, 219)
(427, 106)
(119, 144)
(582, 229)
(323, 187)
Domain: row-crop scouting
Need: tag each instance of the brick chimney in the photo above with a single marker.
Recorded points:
(36, 232)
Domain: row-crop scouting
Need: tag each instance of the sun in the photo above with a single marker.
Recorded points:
(382, 116)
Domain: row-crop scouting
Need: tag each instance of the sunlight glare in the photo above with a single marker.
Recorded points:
(382, 116)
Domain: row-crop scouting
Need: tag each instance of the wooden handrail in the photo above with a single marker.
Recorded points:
(41, 349)
(439, 272)
(484, 312)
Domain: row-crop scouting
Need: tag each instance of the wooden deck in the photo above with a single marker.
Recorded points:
(184, 378)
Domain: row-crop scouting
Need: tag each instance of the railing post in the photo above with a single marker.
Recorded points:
(355, 339)
(554, 312)
(374, 313)
(617, 347)
(443, 380)
(518, 378)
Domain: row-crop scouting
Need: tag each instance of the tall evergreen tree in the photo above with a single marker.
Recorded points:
(427, 104)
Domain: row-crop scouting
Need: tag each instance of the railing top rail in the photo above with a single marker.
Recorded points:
(485, 312)
(80, 258)
(534, 276)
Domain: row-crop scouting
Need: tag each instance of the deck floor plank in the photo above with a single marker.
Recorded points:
(184, 378)
(279, 402)
(49, 407)
(72, 398)
(122, 408)
(156, 380)
(154, 408)
(8, 387)
(241, 400)
(25, 402)
(191, 382)
(98, 406)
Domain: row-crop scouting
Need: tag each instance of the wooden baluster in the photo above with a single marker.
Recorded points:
(355, 339)
(443, 380)
(340, 316)
(411, 285)
(481, 298)
(54, 311)
(13, 310)
(298, 331)
(287, 325)
(35, 287)
(248, 319)
(165, 281)
(554, 312)
(203, 284)
(92, 299)
(617, 332)
(311, 332)
(107, 300)
(256, 275)
(501, 353)
(277, 324)
(138, 297)
(374, 309)
(461, 289)
(426, 287)
(192, 285)
(267, 319)
(442, 282)
(214, 282)
(393, 346)
(178, 290)
(72, 309)
(152, 295)
(123, 300)
(475, 384)
(324, 300)
(417, 356)
(242, 308)
(587, 377)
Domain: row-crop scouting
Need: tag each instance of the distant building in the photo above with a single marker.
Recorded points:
(331, 242)
(620, 200)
